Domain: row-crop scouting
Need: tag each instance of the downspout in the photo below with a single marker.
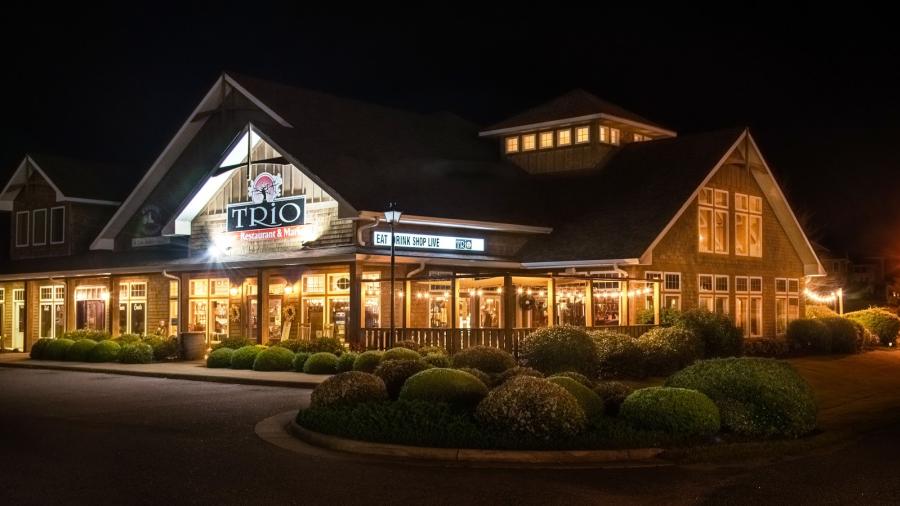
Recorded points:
(360, 230)
(53, 280)
(417, 270)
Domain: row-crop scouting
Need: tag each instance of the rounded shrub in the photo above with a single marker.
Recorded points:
(809, 336)
(105, 351)
(513, 372)
(57, 349)
(757, 397)
(321, 363)
(322, 344)
(163, 347)
(94, 335)
(274, 358)
(879, 321)
(452, 386)
(291, 344)
(483, 376)
(718, 334)
(532, 407)
(581, 378)
(347, 389)
(400, 354)
(78, 352)
(128, 339)
(559, 349)
(679, 412)
(589, 401)
(819, 311)
(243, 357)
(484, 358)
(300, 359)
(437, 360)
(394, 373)
(39, 348)
(136, 353)
(219, 358)
(346, 361)
(426, 350)
(613, 394)
(762, 347)
(409, 344)
(235, 343)
(845, 336)
(618, 355)
(669, 349)
(367, 361)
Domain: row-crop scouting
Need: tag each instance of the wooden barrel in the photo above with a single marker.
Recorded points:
(193, 345)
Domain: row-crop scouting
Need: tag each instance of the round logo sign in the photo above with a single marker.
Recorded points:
(151, 221)
(265, 187)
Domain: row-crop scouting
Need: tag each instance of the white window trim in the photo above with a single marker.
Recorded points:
(559, 134)
(27, 229)
(712, 283)
(128, 299)
(671, 290)
(534, 144)
(648, 274)
(54, 300)
(507, 142)
(50, 225)
(762, 319)
(34, 238)
(671, 294)
(750, 284)
(586, 140)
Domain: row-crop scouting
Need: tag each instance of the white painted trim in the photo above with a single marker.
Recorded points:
(15, 173)
(579, 263)
(257, 102)
(90, 201)
(16, 230)
(572, 121)
(411, 219)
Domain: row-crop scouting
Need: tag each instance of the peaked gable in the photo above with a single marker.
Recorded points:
(71, 180)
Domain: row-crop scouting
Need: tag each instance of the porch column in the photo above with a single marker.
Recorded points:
(624, 308)
(70, 304)
(656, 307)
(407, 304)
(589, 303)
(454, 311)
(509, 315)
(551, 301)
(262, 306)
(109, 305)
(354, 318)
(26, 325)
(184, 284)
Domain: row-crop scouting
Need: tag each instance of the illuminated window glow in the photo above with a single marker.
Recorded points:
(582, 135)
(564, 137)
(529, 142)
(546, 140)
(512, 144)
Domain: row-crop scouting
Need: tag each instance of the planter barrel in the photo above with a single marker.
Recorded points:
(193, 345)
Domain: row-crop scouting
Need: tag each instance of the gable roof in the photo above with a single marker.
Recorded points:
(575, 105)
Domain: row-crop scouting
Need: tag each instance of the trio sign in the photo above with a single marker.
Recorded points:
(266, 209)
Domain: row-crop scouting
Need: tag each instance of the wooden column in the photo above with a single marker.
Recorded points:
(109, 305)
(262, 306)
(355, 317)
(183, 301)
(70, 305)
(624, 308)
(509, 315)
(26, 325)
(656, 301)
(551, 302)
(407, 304)
(589, 303)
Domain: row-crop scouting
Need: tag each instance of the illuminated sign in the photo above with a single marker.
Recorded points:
(422, 241)
(265, 209)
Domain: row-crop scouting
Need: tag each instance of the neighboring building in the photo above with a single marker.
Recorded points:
(865, 281)
(575, 212)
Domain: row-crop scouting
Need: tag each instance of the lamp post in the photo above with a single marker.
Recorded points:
(392, 216)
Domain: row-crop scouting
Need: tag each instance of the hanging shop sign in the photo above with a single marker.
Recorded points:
(266, 209)
(423, 241)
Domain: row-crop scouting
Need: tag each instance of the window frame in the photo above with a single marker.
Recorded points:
(665, 282)
(514, 139)
(543, 135)
(62, 225)
(587, 134)
(27, 242)
(34, 220)
(533, 139)
(559, 137)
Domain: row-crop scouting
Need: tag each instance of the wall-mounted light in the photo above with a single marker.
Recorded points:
(234, 291)
(288, 289)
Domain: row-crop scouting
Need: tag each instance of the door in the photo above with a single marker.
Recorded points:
(18, 334)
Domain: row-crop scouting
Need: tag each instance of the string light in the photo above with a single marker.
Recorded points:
(822, 299)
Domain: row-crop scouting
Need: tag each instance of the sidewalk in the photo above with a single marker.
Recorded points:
(195, 371)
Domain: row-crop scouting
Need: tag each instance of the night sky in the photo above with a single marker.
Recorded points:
(819, 91)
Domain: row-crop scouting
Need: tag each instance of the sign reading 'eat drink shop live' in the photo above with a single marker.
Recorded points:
(265, 209)
(422, 241)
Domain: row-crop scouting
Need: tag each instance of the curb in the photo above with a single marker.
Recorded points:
(547, 458)
(165, 375)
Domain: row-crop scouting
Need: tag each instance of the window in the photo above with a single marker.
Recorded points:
(52, 316)
(712, 221)
(706, 283)
(564, 137)
(314, 283)
(22, 229)
(57, 225)
(90, 307)
(339, 282)
(672, 282)
(546, 139)
(512, 144)
(672, 301)
(604, 134)
(640, 138)
(714, 294)
(755, 285)
(747, 225)
(39, 225)
(787, 303)
(582, 135)
(529, 142)
(173, 308)
(741, 284)
(748, 307)
(614, 136)
(721, 283)
(133, 307)
(653, 275)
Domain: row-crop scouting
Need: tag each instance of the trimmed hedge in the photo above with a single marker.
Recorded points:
(274, 358)
(613, 394)
(398, 353)
(437, 360)
(39, 348)
(845, 337)
(291, 344)
(322, 345)
(514, 372)
(105, 351)
(94, 335)
(757, 397)
(618, 355)
(719, 335)
(300, 359)
(321, 363)
(163, 347)
(367, 361)
(426, 350)
(669, 349)
(762, 347)
(346, 361)
(683, 413)
(57, 348)
(589, 401)
(394, 373)
(809, 336)
(79, 351)
(452, 386)
(219, 358)
(409, 344)
(484, 358)
(136, 353)
(481, 375)
(532, 407)
(819, 311)
(235, 343)
(347, 389)
(128, 339)
(581, 378)
(559, 349)
(879, 321)
(243, 358)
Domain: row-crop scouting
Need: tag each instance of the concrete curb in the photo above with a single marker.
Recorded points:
(165, 375)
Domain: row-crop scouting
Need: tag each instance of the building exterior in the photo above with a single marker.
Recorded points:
(264, 218)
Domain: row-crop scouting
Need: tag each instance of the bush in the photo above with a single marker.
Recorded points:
(321, 363)
(290, 344)
(219, 358)
(322, 345)
(394, 373)
(438, 360)
(367, 361)
(809, 336)
(683, 413)
(531, 407)
(513, 372)
(57, 348)
(39, 348)
(243, 357)
(426, 350)
(452, 386)
(105, 351)
(483, 376)
(845, 338)
(128, 339)
(274, 358)
(618, 355)
(558, 349)
(136, 353)
(94, 335)
(667, 316)
(879, 321)
(589, 401)
(346, 361)
(400, 354)
(581, 378)
(347, 389)
(719, 336)
(760, 347)
(78, 352)
(669, 349)
(163, 347)
(484, 358)
(235, 343)
(819, 311)
(613, 394)
(409, 344)
(757, 397)
(300, 359)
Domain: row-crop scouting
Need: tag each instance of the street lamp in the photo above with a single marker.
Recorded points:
(392, 216)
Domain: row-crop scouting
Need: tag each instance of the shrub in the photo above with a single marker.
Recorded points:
(39, 348)
(426, 350)
(558, 349)
(136, 353)
(483, 376)
(581, 378)
(613, 394)
(845, 337)
(94, 335)
(409, 344)
(400, 354)
(757, 397)
(617, 355)
(457, 388)
(809, 336)
(719, 336)
(367, 361)
(438, 360)
(394, 373)
(274, 358)
(347, 389)
(243, 357)
(589, 401)
(760, 347)
(57, 349)
(880, 322)
(819, 311)
(300, 359)
(484, 358)
(531, 407)
(346, 361)
(513, 372)
(667, 316)
(322, 345)
(290, 344)
(219, 358)
(163, 347)
(668, 349)
(105, 351)
(866, 338)
(78, 352)
(235, 343)
(128, 339)
(321, 363)
(683, 413)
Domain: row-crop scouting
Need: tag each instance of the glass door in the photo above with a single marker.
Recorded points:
(18, 335)
(338, 313)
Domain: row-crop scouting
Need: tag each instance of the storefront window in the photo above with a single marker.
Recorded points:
(607, 301)
(479, 303)
(314, 315)
(338, 314)
(208, 307)
(531, 302)
(133, 307)
(570, 302)
(90, 307)
(371, 294)
(52, 317)
(430, 305)
(173, 308)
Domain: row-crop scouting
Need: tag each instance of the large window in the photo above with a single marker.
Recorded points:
(57, 225)
(52, 317)
(512, 144)
(39, 227)
(748, 312)
(712, 221)
(90, 307)
(208, 307)
(133, 307)
(671, 290)
(582, 135)
(787, 303)
(610, 135)
(22, 229)
(714, 295)
(564, 137)
(546, 140)
(747, 225)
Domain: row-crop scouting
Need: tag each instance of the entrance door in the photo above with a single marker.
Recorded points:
(18, 329)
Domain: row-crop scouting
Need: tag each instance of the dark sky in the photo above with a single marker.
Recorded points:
(819, 90)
